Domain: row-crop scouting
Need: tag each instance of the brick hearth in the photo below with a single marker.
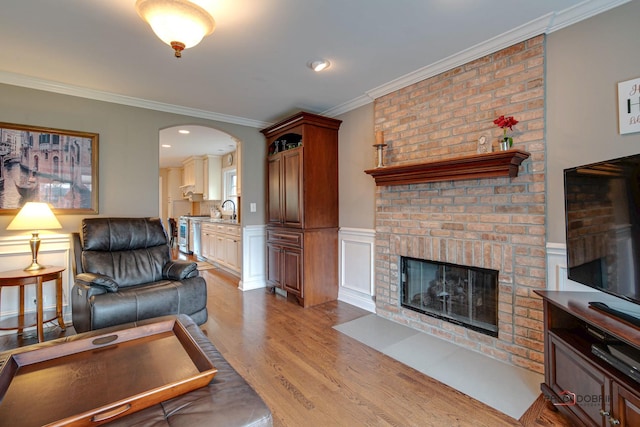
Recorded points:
(496, 223)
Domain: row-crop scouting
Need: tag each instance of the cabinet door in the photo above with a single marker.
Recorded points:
(188, 174)
(292, 271)
(274, 193)
(204, 241)
(274, 263)
(577, 381)
(231, 252)
(625, 406)
(220, 249)
(292, 197)
(212, 178)
(211, 246)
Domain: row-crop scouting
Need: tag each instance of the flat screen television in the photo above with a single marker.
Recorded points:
(602, 207)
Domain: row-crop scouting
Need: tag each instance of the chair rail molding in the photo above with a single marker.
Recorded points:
(356, 251)
(15, 253)
(254, 241)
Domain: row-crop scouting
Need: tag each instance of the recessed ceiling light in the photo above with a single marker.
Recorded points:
(166, 146)
(184, 131)
(319, 65)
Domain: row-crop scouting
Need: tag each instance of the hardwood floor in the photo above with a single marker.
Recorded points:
(309, 374)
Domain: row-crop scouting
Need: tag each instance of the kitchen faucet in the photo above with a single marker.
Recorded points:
(234, 207)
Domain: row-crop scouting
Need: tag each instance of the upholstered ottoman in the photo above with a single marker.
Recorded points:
(228, 400)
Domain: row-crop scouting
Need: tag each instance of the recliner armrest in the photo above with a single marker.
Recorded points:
(179, 270)
(100, 280)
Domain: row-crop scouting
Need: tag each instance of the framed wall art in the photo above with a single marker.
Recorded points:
(55, 166)
(629, 106)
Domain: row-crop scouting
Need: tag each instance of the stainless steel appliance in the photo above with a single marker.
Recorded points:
(188, 235)
(195, 229)
(183, 235)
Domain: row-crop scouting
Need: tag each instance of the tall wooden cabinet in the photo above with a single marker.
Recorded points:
(302, 207)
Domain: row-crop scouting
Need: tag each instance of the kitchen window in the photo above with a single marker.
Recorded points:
(230, 185)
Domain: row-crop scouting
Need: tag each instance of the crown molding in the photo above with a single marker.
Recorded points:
(543, 25)
(345, 107)
(64, 89)
(582, 11)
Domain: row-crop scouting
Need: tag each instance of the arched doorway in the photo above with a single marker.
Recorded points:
(186, 148)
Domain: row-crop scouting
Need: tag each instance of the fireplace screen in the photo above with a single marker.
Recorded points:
(462, 295)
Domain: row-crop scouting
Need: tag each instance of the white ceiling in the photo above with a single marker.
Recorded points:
(175, 146)
(253, 69)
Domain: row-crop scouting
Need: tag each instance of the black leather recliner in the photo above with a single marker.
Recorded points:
(123, 273)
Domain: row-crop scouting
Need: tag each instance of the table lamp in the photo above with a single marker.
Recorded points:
(34, 216)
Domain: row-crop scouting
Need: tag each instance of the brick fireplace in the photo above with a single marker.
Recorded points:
(488, 223)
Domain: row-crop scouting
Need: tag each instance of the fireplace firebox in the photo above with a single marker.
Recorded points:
(462, 295)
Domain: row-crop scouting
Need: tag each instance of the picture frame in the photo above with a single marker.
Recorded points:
(55, 166)
(629, 106)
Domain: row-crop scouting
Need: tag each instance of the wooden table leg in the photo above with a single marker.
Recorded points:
(59, 302)
(21, 310)
(40, 315)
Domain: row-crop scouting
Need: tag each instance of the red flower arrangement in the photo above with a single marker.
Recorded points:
(504, 123)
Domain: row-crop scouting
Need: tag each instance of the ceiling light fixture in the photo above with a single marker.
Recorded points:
(184, 132)
(179, 23)
(319, 65)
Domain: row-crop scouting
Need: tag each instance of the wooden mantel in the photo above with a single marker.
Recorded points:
(485, 165)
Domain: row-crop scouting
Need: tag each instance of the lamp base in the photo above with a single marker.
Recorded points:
(34, 266)
(34, 243)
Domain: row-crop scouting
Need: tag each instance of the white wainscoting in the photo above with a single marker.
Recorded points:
(356, 267)
(557, 270)
(253, 258)
(15, 253)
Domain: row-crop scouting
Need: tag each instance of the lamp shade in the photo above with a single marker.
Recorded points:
(176, 21)
(34, 216)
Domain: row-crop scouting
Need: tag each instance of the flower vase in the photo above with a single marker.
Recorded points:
(504, 145)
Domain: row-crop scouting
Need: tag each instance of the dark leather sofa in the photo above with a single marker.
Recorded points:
(123, 273)
(227, 401)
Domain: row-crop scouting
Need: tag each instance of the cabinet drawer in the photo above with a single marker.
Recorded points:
(280, 236)
(231, 230)
(208, 228)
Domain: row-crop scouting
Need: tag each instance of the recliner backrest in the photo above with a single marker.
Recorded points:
(131, 251)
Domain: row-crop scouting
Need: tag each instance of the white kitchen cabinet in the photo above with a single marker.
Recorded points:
(208, 240)
(174, 181)
(192, 176)
(232, 252)
(222, 245)
(212, 176)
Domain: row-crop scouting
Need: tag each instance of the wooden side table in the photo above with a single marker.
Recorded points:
(22, 278)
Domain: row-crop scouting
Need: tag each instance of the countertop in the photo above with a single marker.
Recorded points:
(213, 220)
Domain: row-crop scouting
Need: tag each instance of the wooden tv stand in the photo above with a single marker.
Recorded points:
(584, 387)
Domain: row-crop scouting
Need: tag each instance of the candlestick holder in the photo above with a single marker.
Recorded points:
(379, 151)
(379, 145)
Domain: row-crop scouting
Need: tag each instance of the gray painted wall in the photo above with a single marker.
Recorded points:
(128, 149)
(356, 154)
(585, 62)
